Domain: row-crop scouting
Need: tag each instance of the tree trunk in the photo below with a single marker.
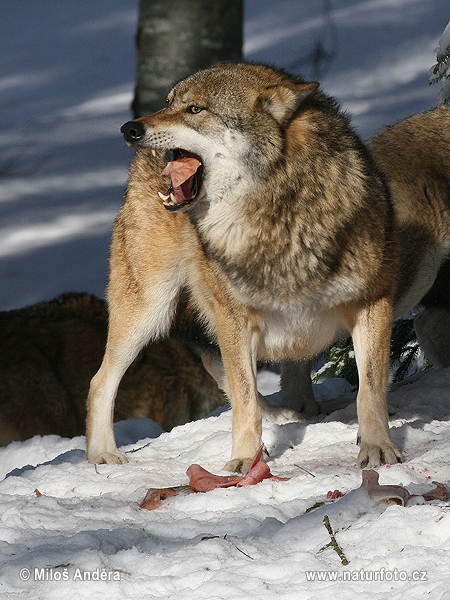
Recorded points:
(178, 37)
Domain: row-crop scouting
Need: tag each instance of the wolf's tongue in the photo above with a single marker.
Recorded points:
(181, 171)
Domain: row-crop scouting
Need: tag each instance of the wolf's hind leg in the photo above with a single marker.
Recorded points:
(432, 325)
(296, 388)
(214, 365)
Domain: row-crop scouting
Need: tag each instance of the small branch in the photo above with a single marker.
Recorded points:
(333, 544)
(244, 553)
(303, 469)
(216, 537)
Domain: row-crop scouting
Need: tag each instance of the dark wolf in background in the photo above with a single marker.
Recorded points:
(49, 353)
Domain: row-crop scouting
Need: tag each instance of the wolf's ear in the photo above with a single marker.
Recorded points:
(282, 101)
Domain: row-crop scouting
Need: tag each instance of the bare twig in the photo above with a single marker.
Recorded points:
(244, 553)
(303, 469)
(238, 549)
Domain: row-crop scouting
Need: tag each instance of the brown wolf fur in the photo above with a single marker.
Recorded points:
(414, 157)
(50, 352)
(286, 241)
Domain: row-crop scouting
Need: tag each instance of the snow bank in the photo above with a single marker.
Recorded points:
(66, 525)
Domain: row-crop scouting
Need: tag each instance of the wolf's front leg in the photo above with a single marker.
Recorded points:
(127, 334)
(371, 338)
(238, 343)
(134, 320)
(100, 443)
(214, 365)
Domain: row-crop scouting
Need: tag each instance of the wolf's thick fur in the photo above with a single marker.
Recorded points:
(51, 350)
(287, 241)
(414, 157)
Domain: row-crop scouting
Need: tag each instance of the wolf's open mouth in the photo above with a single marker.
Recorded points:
(185, 170)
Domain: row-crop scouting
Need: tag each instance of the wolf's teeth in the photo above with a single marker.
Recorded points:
(164, 198)
(153, 151)
(172, 197)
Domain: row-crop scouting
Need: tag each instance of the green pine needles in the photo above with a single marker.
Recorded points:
(404, 356)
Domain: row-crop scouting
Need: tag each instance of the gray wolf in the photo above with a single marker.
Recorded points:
(50, 352)
(414, 157)
(272, 217)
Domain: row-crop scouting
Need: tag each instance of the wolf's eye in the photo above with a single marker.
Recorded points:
(193, 109)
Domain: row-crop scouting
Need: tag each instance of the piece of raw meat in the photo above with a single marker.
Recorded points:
(201, 480)
(154, 497)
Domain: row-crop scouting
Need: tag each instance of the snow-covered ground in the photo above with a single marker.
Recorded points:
(237, 543)
(66, 81)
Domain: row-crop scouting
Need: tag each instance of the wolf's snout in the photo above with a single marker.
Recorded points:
(133, 131)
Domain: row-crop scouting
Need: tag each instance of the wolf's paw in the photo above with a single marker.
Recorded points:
(242, 465)
(373, 455)
(110, 458)
(238, 465)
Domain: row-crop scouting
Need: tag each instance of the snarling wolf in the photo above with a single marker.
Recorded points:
(272, 218)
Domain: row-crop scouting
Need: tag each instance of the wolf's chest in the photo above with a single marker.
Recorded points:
(300, 332)
(260, 262)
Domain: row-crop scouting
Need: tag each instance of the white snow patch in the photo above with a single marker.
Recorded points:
(254, 542)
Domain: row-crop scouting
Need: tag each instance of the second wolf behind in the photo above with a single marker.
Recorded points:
(282, 231)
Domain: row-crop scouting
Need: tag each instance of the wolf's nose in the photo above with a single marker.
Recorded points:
(133, 131)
